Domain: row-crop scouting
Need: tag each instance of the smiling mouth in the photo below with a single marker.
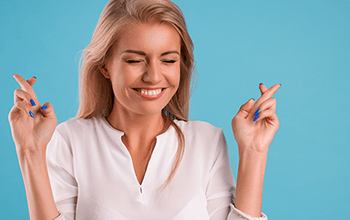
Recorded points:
(149, 93)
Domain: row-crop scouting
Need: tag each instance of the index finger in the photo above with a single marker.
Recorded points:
(269, 93)
(266, 95)
(24, 85)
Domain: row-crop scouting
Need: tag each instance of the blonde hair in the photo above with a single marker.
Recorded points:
(96, 91)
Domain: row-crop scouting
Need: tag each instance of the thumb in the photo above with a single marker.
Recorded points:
(246, 108)
(47, 110)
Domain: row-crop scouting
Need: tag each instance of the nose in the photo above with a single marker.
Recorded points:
(153, 73)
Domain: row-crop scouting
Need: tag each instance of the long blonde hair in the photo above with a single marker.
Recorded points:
(96, 94)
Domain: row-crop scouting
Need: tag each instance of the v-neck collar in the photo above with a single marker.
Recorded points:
(161, 140)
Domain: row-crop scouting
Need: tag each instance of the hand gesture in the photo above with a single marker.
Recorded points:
(32, 125)
(256, 123)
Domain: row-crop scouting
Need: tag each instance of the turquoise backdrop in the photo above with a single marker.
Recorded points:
(304, 45)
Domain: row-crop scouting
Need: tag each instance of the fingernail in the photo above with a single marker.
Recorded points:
(257, 112)
(34, 77)
(31, 114)
(252, 98)
(32, 102)
(44, 107)
(280, 84)
(256, 118)
(260, 84)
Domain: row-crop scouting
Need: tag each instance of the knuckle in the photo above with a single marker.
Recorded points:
(18, 92)
(22, 93)
(278, 123)
(18, 104)
(48, 104)
(234, 120)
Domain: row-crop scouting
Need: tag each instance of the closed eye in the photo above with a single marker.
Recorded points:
(133, 61)
(169, 61)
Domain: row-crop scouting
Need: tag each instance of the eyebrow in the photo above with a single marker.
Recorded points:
(144, 54)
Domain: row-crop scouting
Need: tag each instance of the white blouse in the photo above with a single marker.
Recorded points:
(92, 175)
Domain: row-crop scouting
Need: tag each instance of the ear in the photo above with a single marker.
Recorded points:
(104, 71)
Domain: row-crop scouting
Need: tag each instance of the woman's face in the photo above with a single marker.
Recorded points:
(145, 67)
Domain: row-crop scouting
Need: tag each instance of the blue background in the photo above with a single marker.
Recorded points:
(302, 44)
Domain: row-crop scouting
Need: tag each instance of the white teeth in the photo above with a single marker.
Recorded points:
(150, 92)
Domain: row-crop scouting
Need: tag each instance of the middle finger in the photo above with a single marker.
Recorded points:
(20, 95)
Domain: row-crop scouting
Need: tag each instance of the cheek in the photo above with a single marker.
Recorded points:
(119, 82)
(174, 77)
(124, 76)
(178, 78)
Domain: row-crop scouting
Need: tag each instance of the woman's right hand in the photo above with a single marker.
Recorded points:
(32, 125)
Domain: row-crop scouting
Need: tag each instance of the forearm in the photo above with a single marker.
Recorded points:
(37, 184)
(250, 180)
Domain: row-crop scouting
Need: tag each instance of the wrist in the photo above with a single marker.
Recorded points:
(33, 154)
(251, 152)
(252, 162)
(250, 180)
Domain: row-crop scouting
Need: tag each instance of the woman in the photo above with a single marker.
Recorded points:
(131, 153)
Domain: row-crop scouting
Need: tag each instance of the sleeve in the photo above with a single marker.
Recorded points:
(221, 187)
(61, 173)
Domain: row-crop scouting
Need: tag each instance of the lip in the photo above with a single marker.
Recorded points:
(150, 96)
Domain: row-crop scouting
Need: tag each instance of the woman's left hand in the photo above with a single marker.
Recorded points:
(256, 123)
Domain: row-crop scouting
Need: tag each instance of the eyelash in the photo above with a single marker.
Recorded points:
(139, 61)
(133, 61)
(169, 61)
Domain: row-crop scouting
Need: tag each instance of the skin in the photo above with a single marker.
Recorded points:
(31, 136)
(253, 140)
(158, 66)
(141, 119)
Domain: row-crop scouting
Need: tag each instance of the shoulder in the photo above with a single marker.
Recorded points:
(79, 129)
(76, 135)
(204, 144)
(202, 135)
(76, 123)
(80, 124)
(199, 128)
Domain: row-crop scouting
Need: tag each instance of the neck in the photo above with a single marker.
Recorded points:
(140, 131)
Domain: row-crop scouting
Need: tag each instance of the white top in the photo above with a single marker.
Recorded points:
(92, 175)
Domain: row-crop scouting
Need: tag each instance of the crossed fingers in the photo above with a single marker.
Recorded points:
(26, 93)
(26, 85)
(266, 104)
(25, 97)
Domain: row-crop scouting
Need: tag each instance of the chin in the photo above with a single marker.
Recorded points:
(149, 110)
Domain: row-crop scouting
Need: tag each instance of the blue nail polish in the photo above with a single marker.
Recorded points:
(257, 112)
(256, 118)
(31, 114)
(32, 102)
(44, 107)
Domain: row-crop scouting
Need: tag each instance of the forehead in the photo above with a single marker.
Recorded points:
(151, 38)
